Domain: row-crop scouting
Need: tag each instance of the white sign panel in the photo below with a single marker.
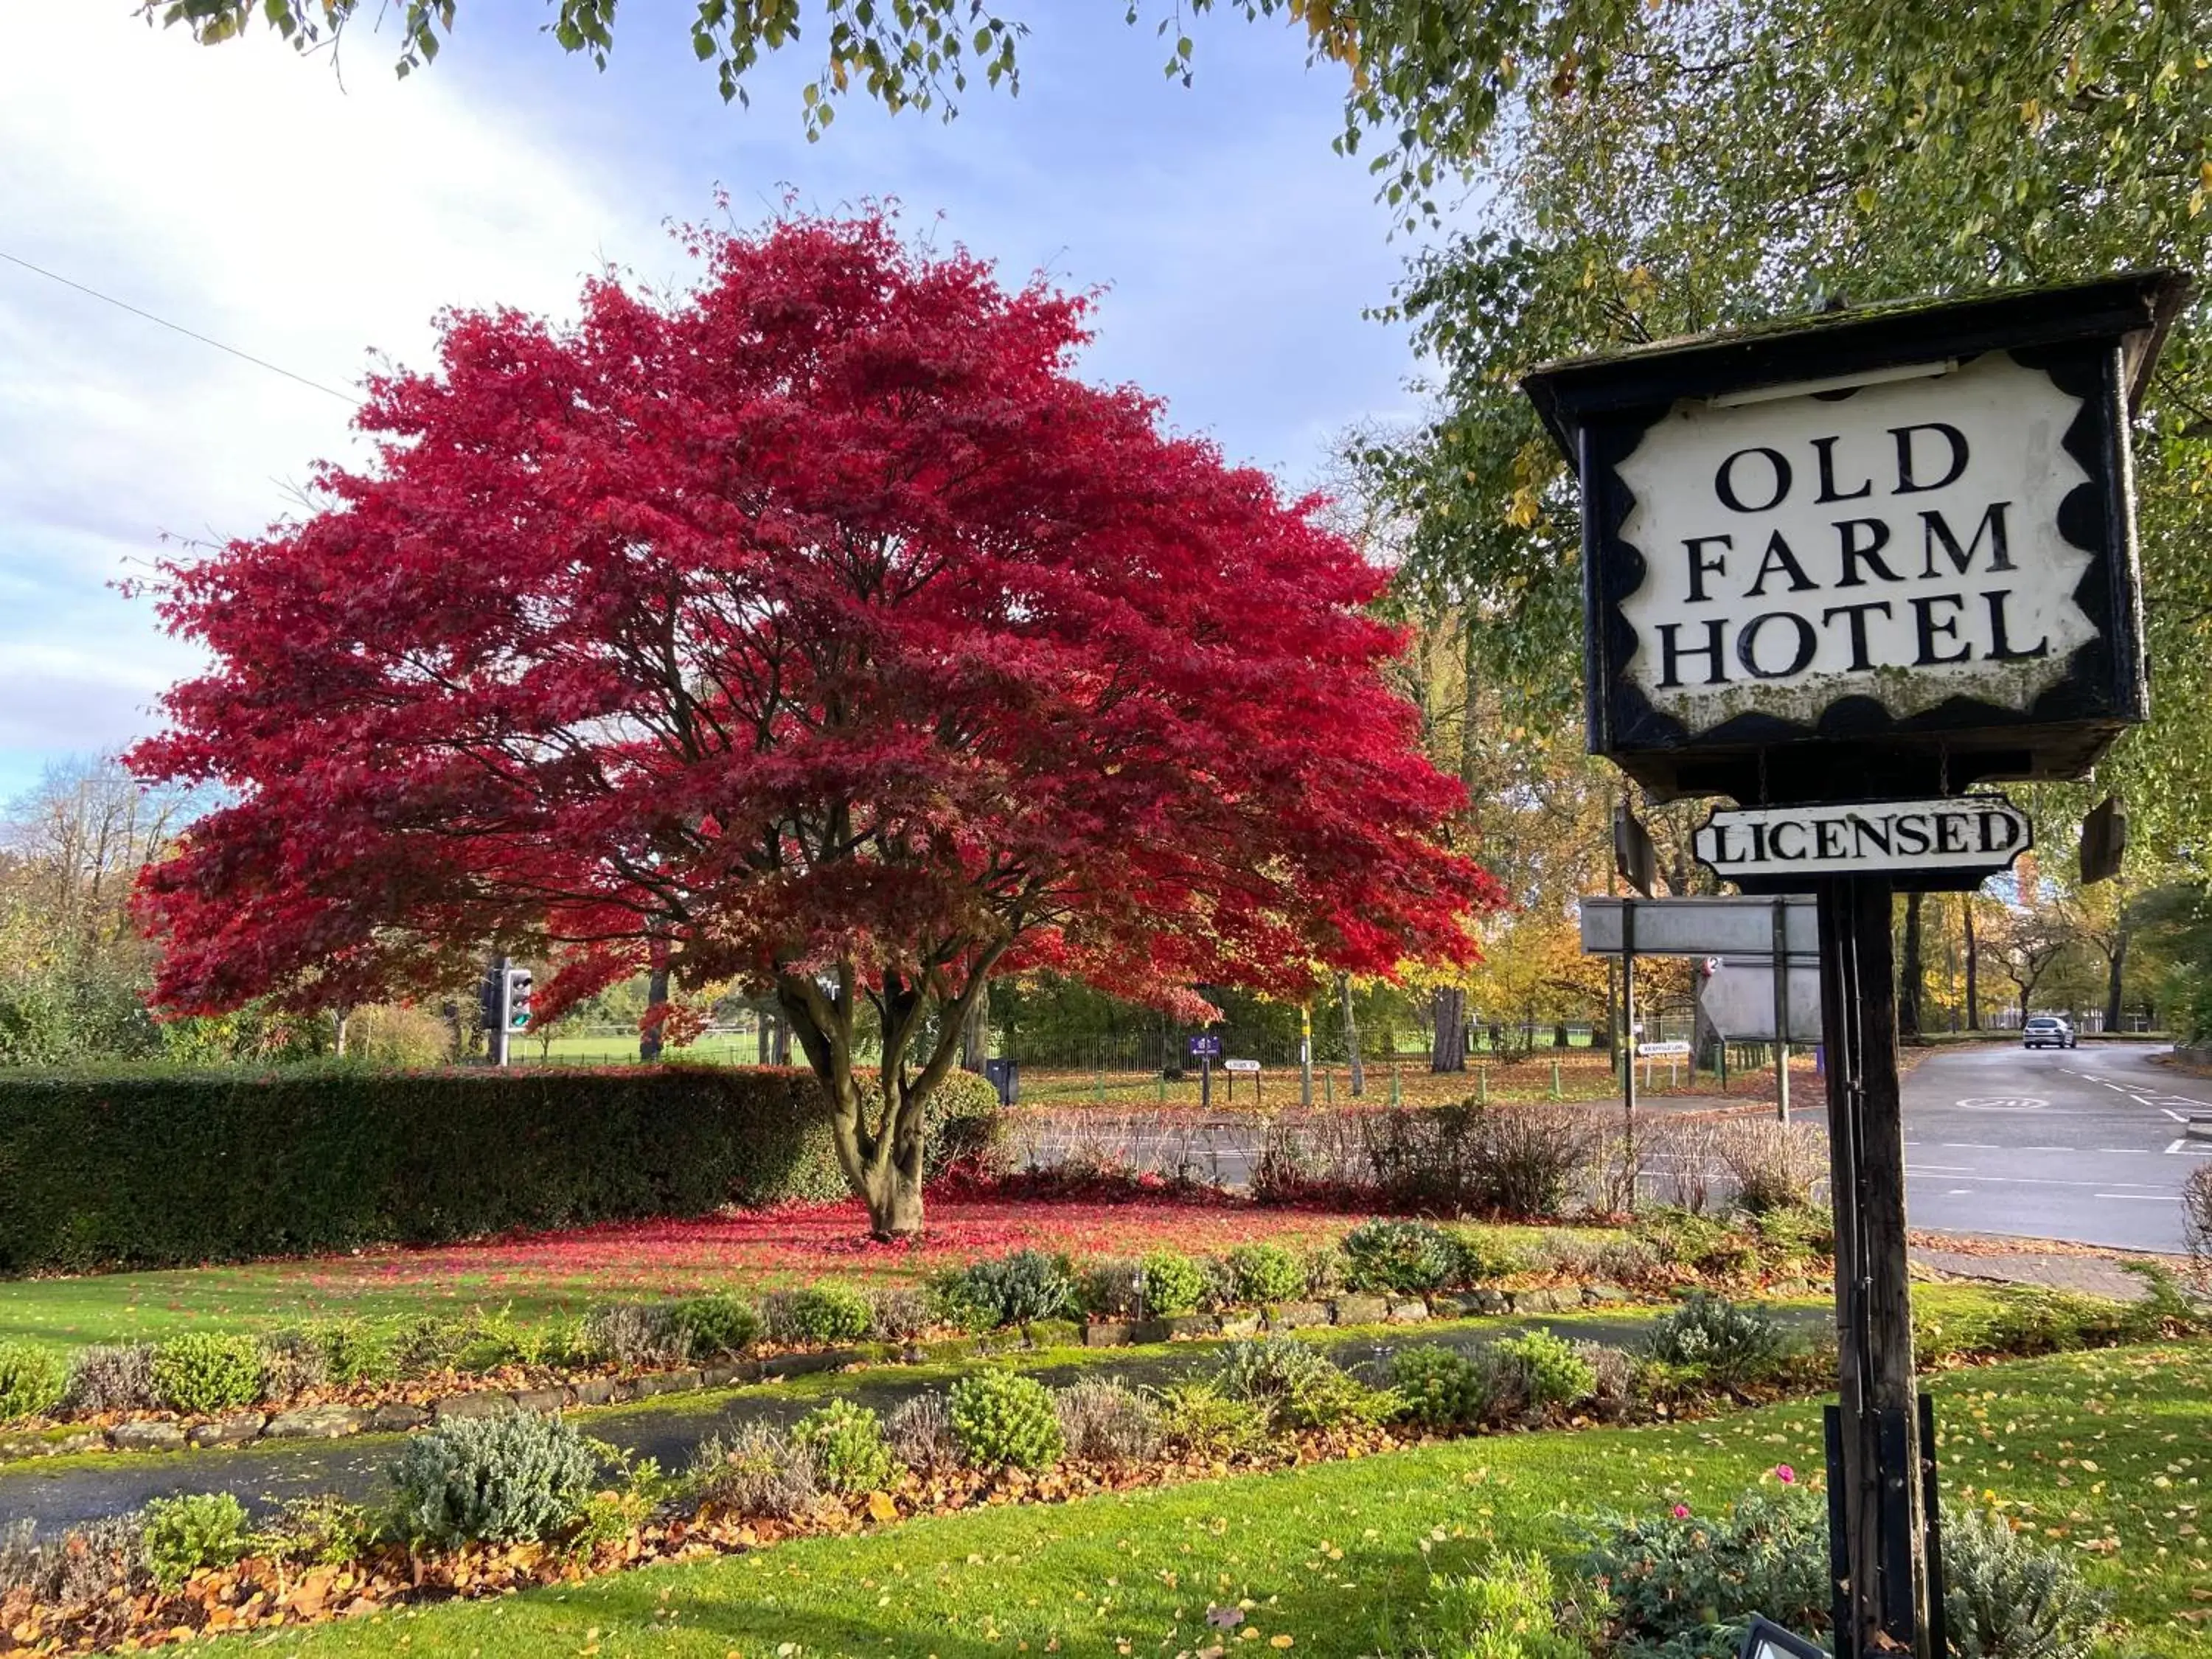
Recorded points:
(1972, 832)
(1240, 1065)
(1702, 927)
(1675, 1050)
(1738, 998)
(1902, 545)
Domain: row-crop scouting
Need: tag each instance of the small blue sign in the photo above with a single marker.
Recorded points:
(1206, 1046)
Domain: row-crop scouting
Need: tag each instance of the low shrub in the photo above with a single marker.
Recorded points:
(1526, 1163)
(1202, 1420)
(825, 1313)
(1398, 1256)
(1615, 1371)
(1557, 1374)
(1001, 1418)
(956, 1299)
(496, 1479)
(204, 1371)
(899, 1313)
(715, 1327)
(113, 1378)
(1683, 1586)
(353, 1354)
(1326, 1266)
(183, 1535)
(756, 1471)
(2196, 1223)
(1174, 1284)
(100, 1561)
(33, 1381)
(847, 1445)
(1774, 1165)
(920, 1430)
(323, 1532)
(428, 1344)
(1710, 1338)
(1699, 1243)
(635, 1334)
(1797, 1235)
(1024, 1287)
(1479, 1255)
(1448, 1389)
(292, 1363)
(1267, 1274)
(1111, 1287)
(1511, 1610)
(2008, 1595)
(1332, 1398)
(1106, 1421)
(1265, 1368)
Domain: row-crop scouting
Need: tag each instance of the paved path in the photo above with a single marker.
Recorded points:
(2081, 1275)
(2085, 1144)
(57, 1493)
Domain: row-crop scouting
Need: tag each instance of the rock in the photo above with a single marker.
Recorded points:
(1360, 1309)
(315, 1423)
(459, 1407)
(1596, 1293)
(1108, 1334)
(660, 1382)
(1408, 1312)
(592, 1390)
(148, 1437)
(1240, 1325)
(397, 1418)
(1546, 1301)
(1290, 1316)
(737, 1371)
(805, 1364)
(227, 1431)
(541, 1400)
(83, 1440)
(1488, 1302)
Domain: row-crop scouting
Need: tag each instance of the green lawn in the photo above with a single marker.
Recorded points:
(2104, 1450)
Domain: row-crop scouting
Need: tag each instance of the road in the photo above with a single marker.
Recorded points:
(2085, 1144)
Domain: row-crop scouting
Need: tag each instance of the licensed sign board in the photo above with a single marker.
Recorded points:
(1703, 927)
(1207, 1045)
(1875, 552)
(1924, 843)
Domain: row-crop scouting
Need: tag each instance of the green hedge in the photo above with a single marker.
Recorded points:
(163, 1171)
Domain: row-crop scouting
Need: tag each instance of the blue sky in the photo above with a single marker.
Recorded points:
(310, 219)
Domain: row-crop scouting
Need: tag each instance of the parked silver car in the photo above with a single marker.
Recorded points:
(2047, 1031)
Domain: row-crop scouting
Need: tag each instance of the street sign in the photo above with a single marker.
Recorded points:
(1240, 1065)
(1889, 551)
(2103, 841)
(1701, 926)
(1676, 1050)
(1944, 843)
(1633, 854)
(1737, 998)
(1207, 1045)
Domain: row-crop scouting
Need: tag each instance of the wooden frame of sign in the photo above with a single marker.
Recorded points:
(1879, 553)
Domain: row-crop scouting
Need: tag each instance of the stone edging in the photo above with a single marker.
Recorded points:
(399, 1417)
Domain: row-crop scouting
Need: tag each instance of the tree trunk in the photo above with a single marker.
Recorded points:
(1449, 1053)
(2118, 967)
(779, 1052)
(656, 992)
(761, 1037)
(1910, 979)
(975, 1038)
(342, 1015)
(1973, 968)
(1352, 1035)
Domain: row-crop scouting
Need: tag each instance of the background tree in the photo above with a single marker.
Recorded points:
(820, 627)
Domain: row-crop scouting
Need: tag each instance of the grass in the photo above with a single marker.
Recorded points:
(2104, 1452)
(543, 1277)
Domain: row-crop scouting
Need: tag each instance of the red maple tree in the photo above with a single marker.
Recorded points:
(818, 630)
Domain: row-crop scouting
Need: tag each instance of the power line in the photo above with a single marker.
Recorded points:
(258, 362)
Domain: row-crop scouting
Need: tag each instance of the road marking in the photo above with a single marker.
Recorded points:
(2018, 1181)
(1972, 1146)
(2185, 1146)
(2178, 1117)
(2146, 1198)
(1955, 1192)
(2050, 1149)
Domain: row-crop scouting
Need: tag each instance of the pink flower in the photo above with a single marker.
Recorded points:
(1785, 1474)
(1681, 1512)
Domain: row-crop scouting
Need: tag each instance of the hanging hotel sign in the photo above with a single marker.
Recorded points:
(1968, 836)
(1873, 553)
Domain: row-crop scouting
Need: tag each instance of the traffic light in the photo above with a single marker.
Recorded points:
(488, 989)
(517, 998)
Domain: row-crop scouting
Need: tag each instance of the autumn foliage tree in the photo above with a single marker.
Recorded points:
(817, 629)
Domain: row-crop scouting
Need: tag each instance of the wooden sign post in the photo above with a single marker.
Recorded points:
(1844, 570)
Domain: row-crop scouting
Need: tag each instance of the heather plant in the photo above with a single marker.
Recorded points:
(206, 1372)
(1557, 1374)
(1265, 1368)
(1684, 1585)
(847, 1445)
(1267, 1274)
(100, 1561)
(182, 1535)
(920, 1430)
(1024, 1287)
(354, 1353)
(957, 1300)
(1398, 1256)
(756, 1470)
(826, 1313)
(292, 1363)
(1712, 1338)
(899, 1313)
(1112, 1287)
(516, 1476)
(715, 1327)
(429, 1344)
(1448, 1389)
(113, 1378)
(323, 1531)
(33, 1381)
(1174, 1284)
(1104, 1421)
(1202, 1420)
(1001, 1418)
(2011, 1596)
(636, 1334)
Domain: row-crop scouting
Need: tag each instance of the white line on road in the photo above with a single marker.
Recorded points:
(1967, 1146)
(2146, 1198)
(2203, 1149)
